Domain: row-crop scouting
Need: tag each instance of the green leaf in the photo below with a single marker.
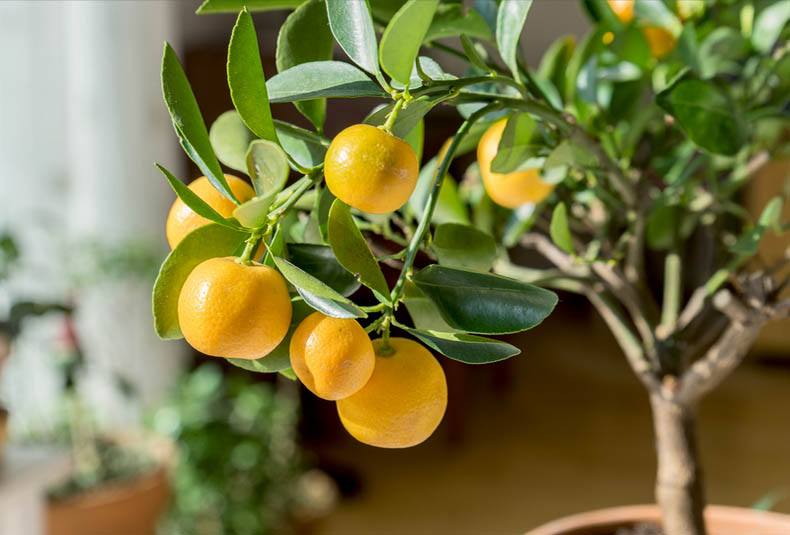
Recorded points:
(416, 138)
(267, 165)
(555, 60)
(771, 216)
(208, 241)
(306, 148)
(195, 203)
(234, 6)
(317, 294)
(705, 114)
(230, 138)
(324, 202)
(352, 27)
(662, 224)
(331, 79)
(656, 13)
(464, 246)
(465, 348)
(449, 207)
(352, 251)
(510, 21)
(254, 213)
(721, 51)
(517, 144)
(452, 20)
(188, 121)
(560, 230)
(473, 54)
(400, 43)
(769, 24)
(305, 37)
(422, 311)
(407, 119)
(320, 262)
(280, 357)
(482, 302)
(246, 80)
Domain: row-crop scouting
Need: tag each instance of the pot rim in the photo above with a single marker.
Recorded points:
(769, 522)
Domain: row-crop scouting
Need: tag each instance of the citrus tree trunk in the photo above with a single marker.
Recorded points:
(679, 489)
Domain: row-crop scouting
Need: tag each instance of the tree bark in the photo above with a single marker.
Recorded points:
(679, 488)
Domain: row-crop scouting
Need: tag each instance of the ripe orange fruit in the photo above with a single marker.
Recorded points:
(182, 220)
(370, 169)
(332, 357)
(402, 403)
(624, 9)
(233, 310)
(510, 190)
(660, 40)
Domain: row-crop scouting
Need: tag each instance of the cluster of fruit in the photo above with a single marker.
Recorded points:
(389, 393)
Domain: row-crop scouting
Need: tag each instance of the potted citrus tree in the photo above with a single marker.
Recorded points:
(619, 159)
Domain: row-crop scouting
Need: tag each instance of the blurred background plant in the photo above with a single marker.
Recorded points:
(239, 466)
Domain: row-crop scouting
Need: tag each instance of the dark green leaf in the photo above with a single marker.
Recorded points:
(188, 121)
(422, 311)
(267, 165)
(230, 138)
(317, 294)
(466, 348)
(510, 21)
(352, 251)
(464, 247)
(324, 202)
(305, 37)
(705, 113)
(234, 6)
(320, 262)
(401, 41)
(517, 144)
(452, 20)
(208, 241)
(721, 52)
(306, 148)
(769, 24)
(482, 302)
(246, 80)
(195, 203)
(352, 27)
(317, 79)
(560, 230)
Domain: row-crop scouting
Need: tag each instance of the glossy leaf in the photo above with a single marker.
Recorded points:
(280, 357)
(352, 250)
(305, 37)
(195, 203)
(560, 230)
(416, 138)
(423, 312)
(320, 262)
(317, 294)
(234, 6)
(230, 138)
(188, 121)
(705, 113)
(246, 80)
(407, 119)
(317, 79)
(253, 213)
(769, 24)
(482, 302)
(401, 41)
(267, 165)
(466, 348)
(208, 241)
(510, 21)
(352, 26)
(306, 148)
(464, 246)
(453, 20)
(473, 54)
(517, 144)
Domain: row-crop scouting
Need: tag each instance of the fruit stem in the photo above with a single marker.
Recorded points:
(430, 205)
(385, 349)
(249, 248)
(393, 116)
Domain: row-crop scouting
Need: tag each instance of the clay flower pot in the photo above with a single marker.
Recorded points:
(721, 520)
(131, 507)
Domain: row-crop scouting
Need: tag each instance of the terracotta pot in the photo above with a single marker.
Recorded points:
(721, 520)
(126, 508)
(3, 430)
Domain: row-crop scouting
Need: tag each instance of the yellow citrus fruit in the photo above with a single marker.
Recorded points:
(370, 169)
(233, 310)
(182, 220)
(510, 190)
(402, 403)
(332, 357)
(624, 9)
(660, 40)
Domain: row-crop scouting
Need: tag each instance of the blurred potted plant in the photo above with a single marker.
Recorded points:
(619, 160)
(238, 468)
